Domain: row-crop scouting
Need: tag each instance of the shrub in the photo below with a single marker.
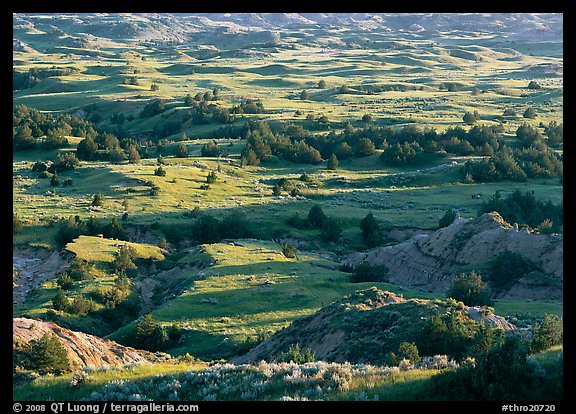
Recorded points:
(547, 333)
(296, 355)
(48, 355)
(316, 216)
(55, 180)
(80, 269)
(370, 230)
(409, 351)
(123, 263)
(64, 162)
(470, 289)
(65, 281)
(331, 229)
(366, 272)
(181, 151)
(210, 149)
(288, 251)
(39, 167)
(447, 218)
(212, 177)
(151, 335)
(81, 306)
(529, 113)
(98, 200)
(60, 301)
(332, 163)
(160, 172)
(114, 230)
(508, 267)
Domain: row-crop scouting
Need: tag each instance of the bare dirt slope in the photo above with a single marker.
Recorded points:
(431, 261)
(362, 328)
(32, 266)
(83, 349)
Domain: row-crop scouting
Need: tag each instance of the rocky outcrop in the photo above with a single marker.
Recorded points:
(82, 349)
(363, 327)
(431, 261)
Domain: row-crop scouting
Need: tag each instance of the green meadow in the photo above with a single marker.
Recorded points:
(251, 289)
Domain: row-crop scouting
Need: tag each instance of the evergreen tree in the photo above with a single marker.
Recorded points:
(447, 218)
(98, 200)
(133, 154)
(470, 289)
(60, 301)
(124, 260)
(529, 113)
(365, 147)
(332, 163)
(316, 216)
(370, 230)
(212, 177)
(181, 151)
(48, 355)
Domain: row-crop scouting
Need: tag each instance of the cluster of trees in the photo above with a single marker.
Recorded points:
(202, 97)
(525, 209)
(515, 164)
(455, 335)
(71, 228)
(27, 80)
(77, 306)
(316, 219)
(524, 379)
(31, 127)
(366, 272)
(153, 336)
(400, 145)
(205, 228)
(262, 144)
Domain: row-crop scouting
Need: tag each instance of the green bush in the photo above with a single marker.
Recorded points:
(81, 306)
(366, 272)
(296, 355)
(288, 251)
(48, 355)
(507, 268)
(470, 289)
(547, 333)
(160, 172)
(447, 218)
(316, 216)
(80, 269)
(149, 334)
(65, 282)
(124, 261)
(60, 301)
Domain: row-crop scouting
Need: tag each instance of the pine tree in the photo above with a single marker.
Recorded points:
(332, 162)
(48, 355)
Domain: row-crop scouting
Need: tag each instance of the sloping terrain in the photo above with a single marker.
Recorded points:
(82, 349)
(432, 261)
(363, 327)
(32, 267)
